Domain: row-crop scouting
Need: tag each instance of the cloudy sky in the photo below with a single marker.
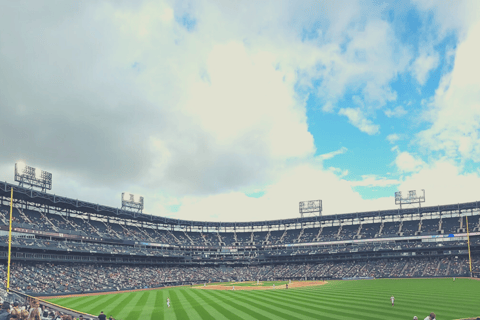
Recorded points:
(236, 111)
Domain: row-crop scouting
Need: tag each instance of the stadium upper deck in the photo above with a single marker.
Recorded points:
(55, 232)
(69, 205)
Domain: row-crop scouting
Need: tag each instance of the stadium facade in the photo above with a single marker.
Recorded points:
(58, 233)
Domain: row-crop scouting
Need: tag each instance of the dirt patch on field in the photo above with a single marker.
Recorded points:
(293, 285)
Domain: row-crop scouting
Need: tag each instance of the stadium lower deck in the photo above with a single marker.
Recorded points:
(51, 279)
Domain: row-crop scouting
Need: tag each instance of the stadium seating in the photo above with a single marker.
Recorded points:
(331, 249)
(430, 226)
(51, 278)
(390, 229)
(450, 225)
(409, 228)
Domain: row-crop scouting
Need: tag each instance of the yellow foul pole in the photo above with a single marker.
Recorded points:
(469, 254)
(9, 241)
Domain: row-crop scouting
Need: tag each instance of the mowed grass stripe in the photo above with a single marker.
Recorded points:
(187, 301)
(364, 303)
(136, 309)
(373, 292)
(88, 303)
(333, 303)
(228, 300)
(212, 312)
(79, 304)
(178, 307)
(158, 312)
(272, 301)
(196, 305)
(414, 304)
(313, 309)
(110, 304)
(71, 300)
(116, 311)
(169, 313)
(225, 312)
(149, 306)
(99, 305)
(110, 300)
(278, 312)
(442, 295)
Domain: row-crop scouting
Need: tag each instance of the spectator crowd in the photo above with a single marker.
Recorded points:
(48, 278)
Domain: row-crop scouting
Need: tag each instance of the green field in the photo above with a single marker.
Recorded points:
(362, 299)
(248, 284)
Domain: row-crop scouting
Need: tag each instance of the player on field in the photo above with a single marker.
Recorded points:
(168, 302)
(430, 317)
(392, 298)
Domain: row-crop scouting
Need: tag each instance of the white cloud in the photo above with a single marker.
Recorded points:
(392, 138)
(339, 172)
(451, 15)
(444, 183)
(303, 182)
(207, 110)
(406, 162)
(193, 117)
(242, 93)
(193, 112)
(423, 65)
(330, 155)
(455, 110)
(368, 63)
(357, 118)
(374, 181)
(396, 112)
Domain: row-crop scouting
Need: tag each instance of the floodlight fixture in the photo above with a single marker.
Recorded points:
(38, 174)
(33, 177)
(132, 202)
(311, 207)
(20, 166)
(411, 199)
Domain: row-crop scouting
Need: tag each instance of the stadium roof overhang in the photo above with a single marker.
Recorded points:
(43, 198)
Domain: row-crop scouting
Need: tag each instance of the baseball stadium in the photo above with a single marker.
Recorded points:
(240, 160)
(81, 258)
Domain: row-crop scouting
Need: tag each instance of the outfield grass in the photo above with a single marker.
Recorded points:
(246, 284)
(362, 299)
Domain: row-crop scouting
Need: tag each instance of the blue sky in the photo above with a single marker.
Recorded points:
(237, 111)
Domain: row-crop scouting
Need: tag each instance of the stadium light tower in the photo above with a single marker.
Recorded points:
(132, 202)
(412, 198)
(33, 177)
(310, 207)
